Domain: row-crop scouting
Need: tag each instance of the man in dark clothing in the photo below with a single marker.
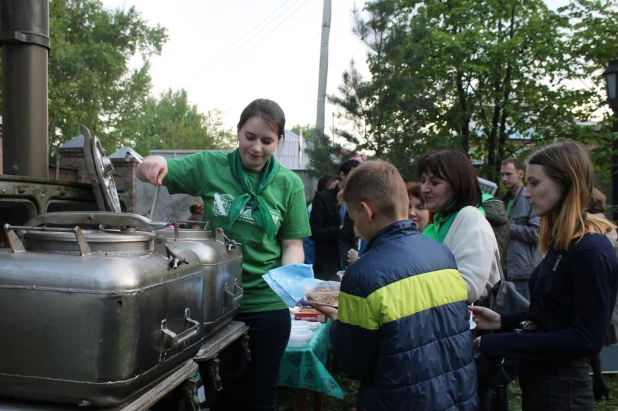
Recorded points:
(326, 222)
(522, 254)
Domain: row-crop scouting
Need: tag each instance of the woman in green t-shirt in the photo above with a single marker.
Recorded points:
(262, 206)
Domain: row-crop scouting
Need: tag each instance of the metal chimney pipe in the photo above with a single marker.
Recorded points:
(24, 37)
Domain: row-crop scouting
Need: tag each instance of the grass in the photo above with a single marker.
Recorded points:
(287, 399)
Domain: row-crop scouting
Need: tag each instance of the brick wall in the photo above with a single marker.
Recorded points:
(126, 180)
(72, 168)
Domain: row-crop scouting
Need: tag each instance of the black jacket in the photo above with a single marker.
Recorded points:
(325, 221)
(347, 239)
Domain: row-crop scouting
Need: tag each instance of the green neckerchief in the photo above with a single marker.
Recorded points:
(440, 226)
(258, 209)
(438, 229)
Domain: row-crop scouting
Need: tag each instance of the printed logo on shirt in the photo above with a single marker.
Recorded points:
(557, 262)
(223, 202)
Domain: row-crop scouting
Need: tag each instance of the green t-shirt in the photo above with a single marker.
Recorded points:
(208, 176)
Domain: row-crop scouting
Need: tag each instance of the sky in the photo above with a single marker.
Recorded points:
(226, 53)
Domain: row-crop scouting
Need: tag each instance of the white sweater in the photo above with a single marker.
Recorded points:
(473, 243)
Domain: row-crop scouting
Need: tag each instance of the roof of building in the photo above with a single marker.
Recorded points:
(121, 154)
(73, 144)
(169, 154)
(290, 153)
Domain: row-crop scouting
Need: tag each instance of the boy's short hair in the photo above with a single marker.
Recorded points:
(378, 183)
(517, 163)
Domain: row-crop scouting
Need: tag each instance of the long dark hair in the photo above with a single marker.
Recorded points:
(456, 168)
(267, 110)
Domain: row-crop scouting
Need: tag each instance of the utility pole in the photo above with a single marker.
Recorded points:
(326, 13)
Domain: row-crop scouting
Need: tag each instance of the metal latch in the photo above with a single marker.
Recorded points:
(174, 259)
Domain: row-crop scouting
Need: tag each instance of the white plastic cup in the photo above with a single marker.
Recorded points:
(301, 325)
(300, 338)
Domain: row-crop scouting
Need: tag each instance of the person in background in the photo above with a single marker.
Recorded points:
(417, 211)
(572, 291)
(262, 206)
(522, 253)
(415, 354)
(326, 222)
(599, 387)
(495, 213)
(453, 193)
(197, 214)
(325, 182)
(597, 207)
(356, 249)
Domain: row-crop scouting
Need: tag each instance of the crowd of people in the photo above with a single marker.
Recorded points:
(420, 261)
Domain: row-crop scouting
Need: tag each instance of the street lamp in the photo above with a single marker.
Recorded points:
(611, 84)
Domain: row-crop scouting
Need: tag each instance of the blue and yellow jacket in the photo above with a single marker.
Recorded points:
(402, 327)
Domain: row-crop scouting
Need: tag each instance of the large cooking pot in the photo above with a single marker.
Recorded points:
(222, 266)
(95, 306)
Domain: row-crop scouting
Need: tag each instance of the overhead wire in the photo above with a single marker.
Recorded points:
(268, 20)
(277, 26)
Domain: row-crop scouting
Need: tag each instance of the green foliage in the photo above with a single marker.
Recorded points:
(474, 74)
(90, 81)
(171, 122)
(324, 157)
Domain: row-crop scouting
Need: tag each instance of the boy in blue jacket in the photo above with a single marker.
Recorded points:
(402, 325)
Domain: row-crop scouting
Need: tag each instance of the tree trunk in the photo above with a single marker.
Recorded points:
(492, 137)
(463, 123)
(502, 136)
(52, 130)
(505, 101)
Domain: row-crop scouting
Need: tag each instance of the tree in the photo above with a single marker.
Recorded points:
(171, 122)
(325, 157)
(90, 81)
(472, 74)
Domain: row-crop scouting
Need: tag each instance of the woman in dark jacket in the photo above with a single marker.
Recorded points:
(573, 290)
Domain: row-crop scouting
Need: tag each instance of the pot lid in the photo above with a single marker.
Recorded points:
(101, 173)
(97, 236)
(106, 241)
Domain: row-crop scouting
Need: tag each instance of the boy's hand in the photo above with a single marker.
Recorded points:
(330, 312)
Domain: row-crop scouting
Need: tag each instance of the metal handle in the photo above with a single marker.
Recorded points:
(178, 339)
(154, 202)
(17, 246)
(96, 218)
(222, 238)
(232, 294)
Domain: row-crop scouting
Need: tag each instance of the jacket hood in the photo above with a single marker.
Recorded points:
(495, 211)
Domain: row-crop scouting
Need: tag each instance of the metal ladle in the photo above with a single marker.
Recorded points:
(154, 202)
